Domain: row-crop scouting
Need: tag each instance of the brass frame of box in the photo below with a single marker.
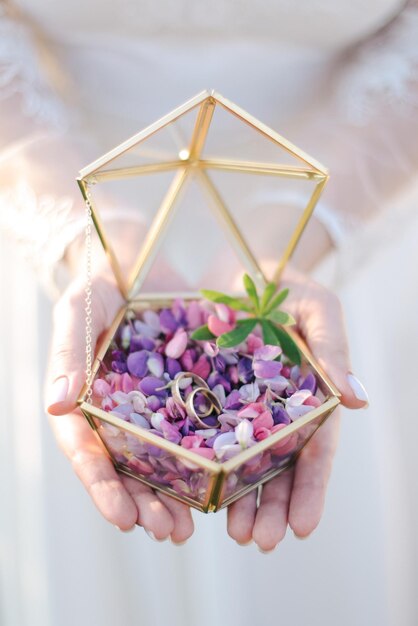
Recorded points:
(131, 288)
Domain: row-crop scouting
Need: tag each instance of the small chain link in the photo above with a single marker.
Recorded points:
(88, 293)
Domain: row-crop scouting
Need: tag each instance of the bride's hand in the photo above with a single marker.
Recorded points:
(123, 501)
(296, 497)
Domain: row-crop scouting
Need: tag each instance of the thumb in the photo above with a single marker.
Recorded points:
(67, 358)
(324, 330)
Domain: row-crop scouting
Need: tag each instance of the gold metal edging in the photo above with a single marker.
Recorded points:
(269, 133)
(253, 167)
(265, 444)
(300, 227)
(144, 435)
(144, 134)
(154, 235)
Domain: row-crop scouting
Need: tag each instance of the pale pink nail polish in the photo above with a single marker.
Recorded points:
(58, 391)
(358, 388)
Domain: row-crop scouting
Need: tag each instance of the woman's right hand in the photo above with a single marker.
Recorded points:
(121, 500)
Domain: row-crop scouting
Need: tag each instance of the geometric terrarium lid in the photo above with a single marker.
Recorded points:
(212, 192)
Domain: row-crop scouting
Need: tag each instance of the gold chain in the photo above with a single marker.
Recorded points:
(87, 299)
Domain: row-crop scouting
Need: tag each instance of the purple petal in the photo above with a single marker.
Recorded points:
(170, 432)
(267, 352)
(144, 329)
(151, 386)
(168, 322)
(119, 367)
(233, 400)
(152, 319)
(279, 415)
(250, 392)
(140, 420)
(245, 370)
(153, 403)
(137, 363)
(173, 367)
(267, 369)
(309, 383)
(298, 411)
(155, 364)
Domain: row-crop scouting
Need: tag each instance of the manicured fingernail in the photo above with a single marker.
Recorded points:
(358, 388)
(266, 551)
(58, 391)
(300, 538)
(151, 534)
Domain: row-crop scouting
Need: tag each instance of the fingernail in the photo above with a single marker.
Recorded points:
(58, 391)
(300, 537)
(151, 534)
(358, 388)
(266, 551)
(178, 543)
(128, 530)
(245, 543)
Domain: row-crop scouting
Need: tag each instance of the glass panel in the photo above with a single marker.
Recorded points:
(279, 456)
(169, 143)
(233, 139)
(266, 208)
(156, 465)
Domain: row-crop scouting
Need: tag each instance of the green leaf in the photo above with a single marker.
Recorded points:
(269, 335)
(287, 344)
(202, 334)
(223, 298)
(281, 317)
(268, 293)
(236, 336)
(277, 301)
(251, 289)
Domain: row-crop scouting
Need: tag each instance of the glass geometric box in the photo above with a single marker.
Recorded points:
(209, 193)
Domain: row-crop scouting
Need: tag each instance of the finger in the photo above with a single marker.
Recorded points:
(153, 515)
(67, 360)
(95, 470)
(321, 321)
(311, 477)
(182, 516)
(241, 516)
(272, 514)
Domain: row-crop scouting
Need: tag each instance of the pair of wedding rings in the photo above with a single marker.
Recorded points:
(199, 388)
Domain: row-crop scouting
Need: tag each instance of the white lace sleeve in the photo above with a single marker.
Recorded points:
(40, 207)
(367, 131)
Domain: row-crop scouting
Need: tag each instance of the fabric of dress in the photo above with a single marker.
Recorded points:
(77, 78)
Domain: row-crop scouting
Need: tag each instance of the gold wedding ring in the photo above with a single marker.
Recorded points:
(214, 405)
(188, 403)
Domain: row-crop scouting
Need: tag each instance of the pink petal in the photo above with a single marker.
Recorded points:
(175, 348)
(208, 453)
(267, 352)
(262, 433)
(210, 348)
(202, 367)
(191, 441)
(264, 420)
(218, 327)
(194, 315)
(313, 401)
(101, 388)
(253, 343)
(299, 397)
(126, 383)
(223, 312)
(254, 409)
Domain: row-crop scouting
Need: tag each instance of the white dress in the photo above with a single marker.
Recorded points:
(339, 81)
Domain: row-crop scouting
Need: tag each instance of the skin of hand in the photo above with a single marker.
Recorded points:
(295, 498)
